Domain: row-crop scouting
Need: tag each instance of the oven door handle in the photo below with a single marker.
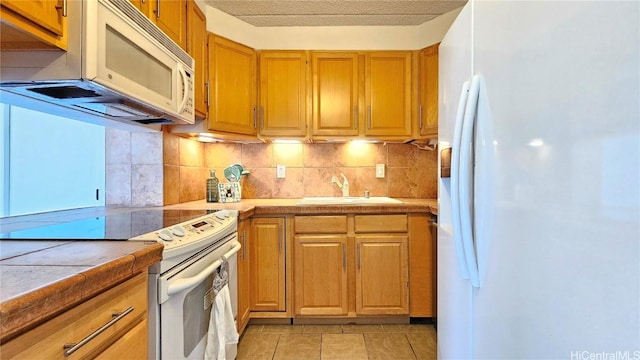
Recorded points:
(168, 288)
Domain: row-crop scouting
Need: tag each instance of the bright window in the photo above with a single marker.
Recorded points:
(49, 163)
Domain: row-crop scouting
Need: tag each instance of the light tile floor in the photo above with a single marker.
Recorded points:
(337, 342)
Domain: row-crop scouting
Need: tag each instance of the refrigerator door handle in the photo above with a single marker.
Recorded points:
(455, 173)
(466, 181)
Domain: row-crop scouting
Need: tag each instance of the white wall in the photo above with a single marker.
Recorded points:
(332, 37)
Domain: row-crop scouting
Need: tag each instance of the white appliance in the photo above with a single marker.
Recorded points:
(119, 66)
(539, 224)
(180, 286)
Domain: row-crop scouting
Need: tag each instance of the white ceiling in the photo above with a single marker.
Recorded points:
(335, 12)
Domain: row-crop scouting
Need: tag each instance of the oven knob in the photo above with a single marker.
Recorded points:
(222, 215)
(178, 231)
(166, 235)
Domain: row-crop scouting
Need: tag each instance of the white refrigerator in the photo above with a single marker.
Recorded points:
(539, 223)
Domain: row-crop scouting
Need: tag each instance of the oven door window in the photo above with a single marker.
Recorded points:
(196, 312)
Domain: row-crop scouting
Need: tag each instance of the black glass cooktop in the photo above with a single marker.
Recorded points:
(119, 226)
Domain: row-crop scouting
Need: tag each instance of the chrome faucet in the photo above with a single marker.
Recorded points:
(344, 185)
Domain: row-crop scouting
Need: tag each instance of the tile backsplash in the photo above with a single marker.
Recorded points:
(133, 168)
(409, 171)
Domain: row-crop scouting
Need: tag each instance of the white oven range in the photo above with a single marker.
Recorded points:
(180, 303)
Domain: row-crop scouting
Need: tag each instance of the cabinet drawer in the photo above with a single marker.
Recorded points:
(47, 340)
(380, 223)
(320, 224)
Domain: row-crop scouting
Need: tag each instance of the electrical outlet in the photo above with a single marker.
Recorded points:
(380, 171)
(281, 171)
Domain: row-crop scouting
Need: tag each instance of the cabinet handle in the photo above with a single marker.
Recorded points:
(420, 116)
(206, 84)
(358, 257)
(355, 117)
(244, 245)
(369, 117)
(344, 257)
(255, 115)
(71, 348)
(63, 7)
(158, 9)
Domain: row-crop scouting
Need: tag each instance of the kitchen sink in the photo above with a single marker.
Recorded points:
(351, 200)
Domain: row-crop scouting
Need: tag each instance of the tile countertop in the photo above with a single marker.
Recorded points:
(40, 279)
(250, 207)
(42, 276)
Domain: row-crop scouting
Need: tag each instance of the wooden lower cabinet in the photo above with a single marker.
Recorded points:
(320, 271)
(382, 275)
(244, 279)
(267, 265)
(422, 261)
(125, 339)
(346, 265)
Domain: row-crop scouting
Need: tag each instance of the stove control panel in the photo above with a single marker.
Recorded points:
(200, 229)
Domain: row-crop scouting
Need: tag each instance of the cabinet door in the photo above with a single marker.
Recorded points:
(244, 280)
(335, 93)
(320, 275)
(171, 18)
(197, 48)
(142, 5)
(44, 13)
(382, 275)
(266, 264)
(422, 267)
(428, 116)
(232, 81)
(47, 340)
(388, 93)
(283, 93)
(132, 345)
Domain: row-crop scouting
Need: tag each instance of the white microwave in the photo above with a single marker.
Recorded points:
(118, 66)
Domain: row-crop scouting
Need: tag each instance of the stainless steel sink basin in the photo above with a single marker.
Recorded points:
(347, 200)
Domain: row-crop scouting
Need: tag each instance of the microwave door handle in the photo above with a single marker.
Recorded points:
(185, 92)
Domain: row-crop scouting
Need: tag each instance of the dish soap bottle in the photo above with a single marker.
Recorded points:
(212, 187)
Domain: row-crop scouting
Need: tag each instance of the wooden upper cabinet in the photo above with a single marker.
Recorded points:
(232, 83)
(171, 18)
(428, 92)
(388, 94)
(45, 13)
(35, 24)
(142, 5)
(335, 93)
(283, 93)
(197, 48)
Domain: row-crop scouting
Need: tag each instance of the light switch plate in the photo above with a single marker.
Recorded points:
(281, 171)
(380, 171)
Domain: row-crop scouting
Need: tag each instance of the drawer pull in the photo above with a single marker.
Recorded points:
(71, 348)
